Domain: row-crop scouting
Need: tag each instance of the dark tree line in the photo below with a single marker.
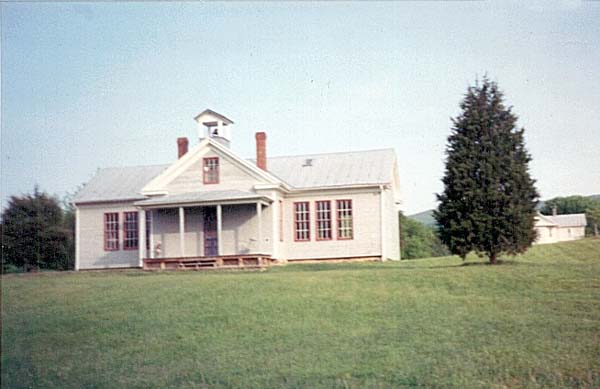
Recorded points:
(37, 233)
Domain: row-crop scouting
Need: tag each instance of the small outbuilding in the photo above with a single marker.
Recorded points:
(559, 228)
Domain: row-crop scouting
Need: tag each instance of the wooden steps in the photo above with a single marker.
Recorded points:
(197, 264)
(231, 262)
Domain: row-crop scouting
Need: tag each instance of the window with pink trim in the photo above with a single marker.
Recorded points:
(302, 221)
(344, 219)
(211, 170)
(111, 231)
(323, 218)
(130, 231)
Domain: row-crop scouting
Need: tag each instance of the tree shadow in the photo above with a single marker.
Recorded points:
(499, 262)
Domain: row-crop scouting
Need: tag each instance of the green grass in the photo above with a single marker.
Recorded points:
(533, 321)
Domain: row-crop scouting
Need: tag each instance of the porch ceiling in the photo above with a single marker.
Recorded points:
(205, 198)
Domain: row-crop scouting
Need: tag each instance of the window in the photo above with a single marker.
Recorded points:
(302, 221)
(111, 231)
(280, 221)
(211, 170)
(344, 219)
(130, 231)
(323, 210)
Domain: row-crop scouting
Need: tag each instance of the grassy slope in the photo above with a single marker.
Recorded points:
(533, 321)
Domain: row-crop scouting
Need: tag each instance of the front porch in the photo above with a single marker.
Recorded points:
(255, 261)
(211, 230)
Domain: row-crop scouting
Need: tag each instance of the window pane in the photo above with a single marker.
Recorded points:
(111, 231)
(344, 214)
(130, 228)
(302, 221)
(211, 170)
(323, 220)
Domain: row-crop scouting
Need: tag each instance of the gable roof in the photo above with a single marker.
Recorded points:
(118, 183)
(372, 167)
(213, 113)
(158, 184)
(369, 167)
(568, 220)
(543, 221)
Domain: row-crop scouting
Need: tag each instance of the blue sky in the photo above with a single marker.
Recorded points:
(89, 85)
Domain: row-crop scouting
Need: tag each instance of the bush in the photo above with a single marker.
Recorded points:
(418, 240)
(36, 235)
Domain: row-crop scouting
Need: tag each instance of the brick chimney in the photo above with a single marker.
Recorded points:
(554, 211)
(182, 146)
(261, 150)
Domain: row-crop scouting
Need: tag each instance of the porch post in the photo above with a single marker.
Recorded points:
(219, 228)
(259, 219)
(182, 231)
(141, 236)
(151, 253)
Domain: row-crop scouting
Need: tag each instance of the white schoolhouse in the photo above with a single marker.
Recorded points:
(212, 208)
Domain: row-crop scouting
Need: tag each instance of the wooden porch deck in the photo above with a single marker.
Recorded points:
(249, 261)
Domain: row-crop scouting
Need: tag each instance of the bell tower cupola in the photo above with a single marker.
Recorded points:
(214, 125)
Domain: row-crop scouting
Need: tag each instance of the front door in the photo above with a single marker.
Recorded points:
(211, 245)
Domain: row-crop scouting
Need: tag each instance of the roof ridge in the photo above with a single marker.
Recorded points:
(331, 153)
(134, 166)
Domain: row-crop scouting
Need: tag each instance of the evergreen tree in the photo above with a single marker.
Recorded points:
(34, 234)
(489, 199)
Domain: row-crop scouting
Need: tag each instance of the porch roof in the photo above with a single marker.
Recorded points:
(205, 197)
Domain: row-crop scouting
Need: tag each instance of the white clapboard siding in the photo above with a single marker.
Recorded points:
(91, 238)
(366, 228)
(231, 176)
(570, 233)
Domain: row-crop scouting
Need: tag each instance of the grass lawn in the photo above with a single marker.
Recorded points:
(532, 321)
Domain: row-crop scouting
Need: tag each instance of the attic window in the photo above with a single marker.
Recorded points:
(307, 162)
(211, 170)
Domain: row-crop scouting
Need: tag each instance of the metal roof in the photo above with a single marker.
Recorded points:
(202, 197)
(118, 183)
(299, 172)
(334, 169)
(543, 221)
(570, 220)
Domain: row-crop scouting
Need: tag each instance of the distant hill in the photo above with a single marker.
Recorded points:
(426, 217)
